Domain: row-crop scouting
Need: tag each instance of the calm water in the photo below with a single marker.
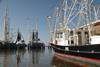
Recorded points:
(26, 58)
(31, 58)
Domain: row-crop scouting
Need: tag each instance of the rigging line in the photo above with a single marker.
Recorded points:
(79, 12)
(72, 9)
(76, 14)
(95, 13)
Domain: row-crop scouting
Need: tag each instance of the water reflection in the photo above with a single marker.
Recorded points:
(26, 58)
(59, 61)
(36, 54)
(19, 56)
(6, 57)
(32, 58)
(56, 62)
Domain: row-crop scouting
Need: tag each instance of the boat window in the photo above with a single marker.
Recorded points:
(86, 33)
(72, 42)
(79, 33)
(60, 35)
(68, 42)
(71, 32)
(57, 36)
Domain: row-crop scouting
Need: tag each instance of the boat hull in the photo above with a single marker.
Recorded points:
(36, 45)
(21, 46)
(8, 46)
(91, 51)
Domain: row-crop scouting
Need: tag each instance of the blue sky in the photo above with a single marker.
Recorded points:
(23, 13)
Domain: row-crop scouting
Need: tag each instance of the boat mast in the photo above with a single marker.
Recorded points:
(6, 27)
(87, 5)
(56, 21)
(18, 36)
(65, 21)
(36, 30)
(49, 25)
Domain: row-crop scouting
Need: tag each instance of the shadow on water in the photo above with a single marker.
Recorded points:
(19, 56)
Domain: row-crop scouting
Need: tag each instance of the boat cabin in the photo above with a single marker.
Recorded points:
(87, 34)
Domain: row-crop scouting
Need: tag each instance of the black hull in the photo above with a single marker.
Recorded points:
(21, 46)
(85, 51)
(8, 46)
(36, 46)
(12, 46)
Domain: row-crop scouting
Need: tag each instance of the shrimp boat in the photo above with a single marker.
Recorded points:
(8, 42)
(20, 42)
(35, 42)
(82, 41)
